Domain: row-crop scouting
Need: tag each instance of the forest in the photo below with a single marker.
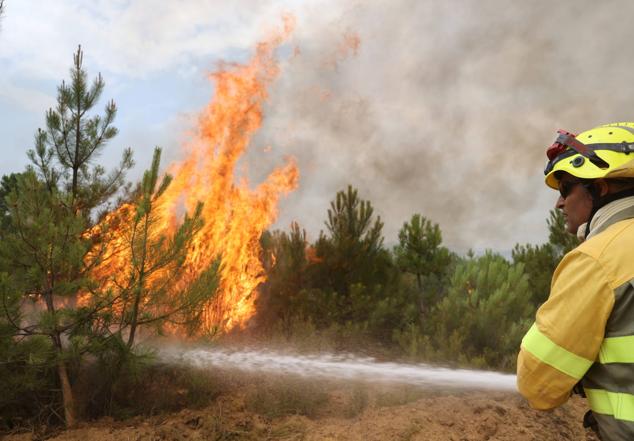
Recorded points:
(75, 339)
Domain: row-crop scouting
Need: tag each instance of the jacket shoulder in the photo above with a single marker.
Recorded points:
(613, 250)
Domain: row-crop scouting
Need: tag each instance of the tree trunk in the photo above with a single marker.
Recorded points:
(421, 299)
(134, 319)
(67, 395)
(139, 290)
(67, 391)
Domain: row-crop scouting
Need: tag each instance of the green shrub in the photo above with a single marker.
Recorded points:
(147, 389)
(486, 312)
(28, 385)
(413, 343)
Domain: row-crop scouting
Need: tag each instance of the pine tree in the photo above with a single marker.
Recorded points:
(150, 292)
(540, 261)
(66, 152)
(354, 243)
(486, 312)
(561, 240)
(419, 251)
(46, 251)
(349, 258)
(285, 261)
(350, 223)
(8, 184)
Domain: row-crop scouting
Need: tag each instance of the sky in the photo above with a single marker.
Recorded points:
(443, 108)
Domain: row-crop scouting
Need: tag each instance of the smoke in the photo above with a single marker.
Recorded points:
(442, 108)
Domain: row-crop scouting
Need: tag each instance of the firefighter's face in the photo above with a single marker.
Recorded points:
(575, 203)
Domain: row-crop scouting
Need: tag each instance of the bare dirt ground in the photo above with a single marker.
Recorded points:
(435, 416)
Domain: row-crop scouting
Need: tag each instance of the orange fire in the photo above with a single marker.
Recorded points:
(234, 215)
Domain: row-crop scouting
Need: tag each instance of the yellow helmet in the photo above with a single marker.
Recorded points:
(603, 152)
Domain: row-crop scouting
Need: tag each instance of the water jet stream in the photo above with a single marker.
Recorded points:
(339, 367)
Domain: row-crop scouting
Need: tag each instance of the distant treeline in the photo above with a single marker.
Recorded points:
(419, 300)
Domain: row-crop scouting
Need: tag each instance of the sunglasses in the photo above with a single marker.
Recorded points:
(566, 187)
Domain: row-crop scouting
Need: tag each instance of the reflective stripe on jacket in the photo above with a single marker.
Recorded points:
(585, 331)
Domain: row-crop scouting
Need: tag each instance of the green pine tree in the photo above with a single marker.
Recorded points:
(8, 184)
(486, 312)
(350, 253)
(352, 250)
(561, 240)
(28, 378)
(46, 252)
(419, 251)
(151, 291)
(540, 261)
(65, 153)
(285, 261)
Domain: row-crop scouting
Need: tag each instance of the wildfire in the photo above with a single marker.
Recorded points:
(234, 215)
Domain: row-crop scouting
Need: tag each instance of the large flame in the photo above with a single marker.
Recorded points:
(234, 215)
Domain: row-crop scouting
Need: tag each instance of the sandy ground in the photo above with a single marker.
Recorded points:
(458, 416)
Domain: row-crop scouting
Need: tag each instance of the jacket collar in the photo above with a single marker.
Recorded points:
(607, 215)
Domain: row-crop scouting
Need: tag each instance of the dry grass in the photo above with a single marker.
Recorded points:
(397, 396)
(277, 397)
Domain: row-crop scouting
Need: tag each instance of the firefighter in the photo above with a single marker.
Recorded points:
(583, 335)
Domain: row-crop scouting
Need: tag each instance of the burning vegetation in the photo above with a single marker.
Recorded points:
(185, 250)
(233, 215)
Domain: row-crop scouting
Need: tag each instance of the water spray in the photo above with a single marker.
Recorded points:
(339, 367)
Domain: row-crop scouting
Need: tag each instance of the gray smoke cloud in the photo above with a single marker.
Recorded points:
(444, 109)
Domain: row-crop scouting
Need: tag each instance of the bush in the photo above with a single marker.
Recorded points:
(148, 388)
(486, 312)
(28, 397)
(413, 343)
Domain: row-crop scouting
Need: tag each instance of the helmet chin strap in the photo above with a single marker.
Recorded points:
(599, 201)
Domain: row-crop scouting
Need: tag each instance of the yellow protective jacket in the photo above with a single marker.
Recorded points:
(585, 331)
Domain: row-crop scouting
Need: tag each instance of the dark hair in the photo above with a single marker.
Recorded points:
(622, 182)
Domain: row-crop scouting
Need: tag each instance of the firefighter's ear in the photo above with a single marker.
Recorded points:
(601, 187)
